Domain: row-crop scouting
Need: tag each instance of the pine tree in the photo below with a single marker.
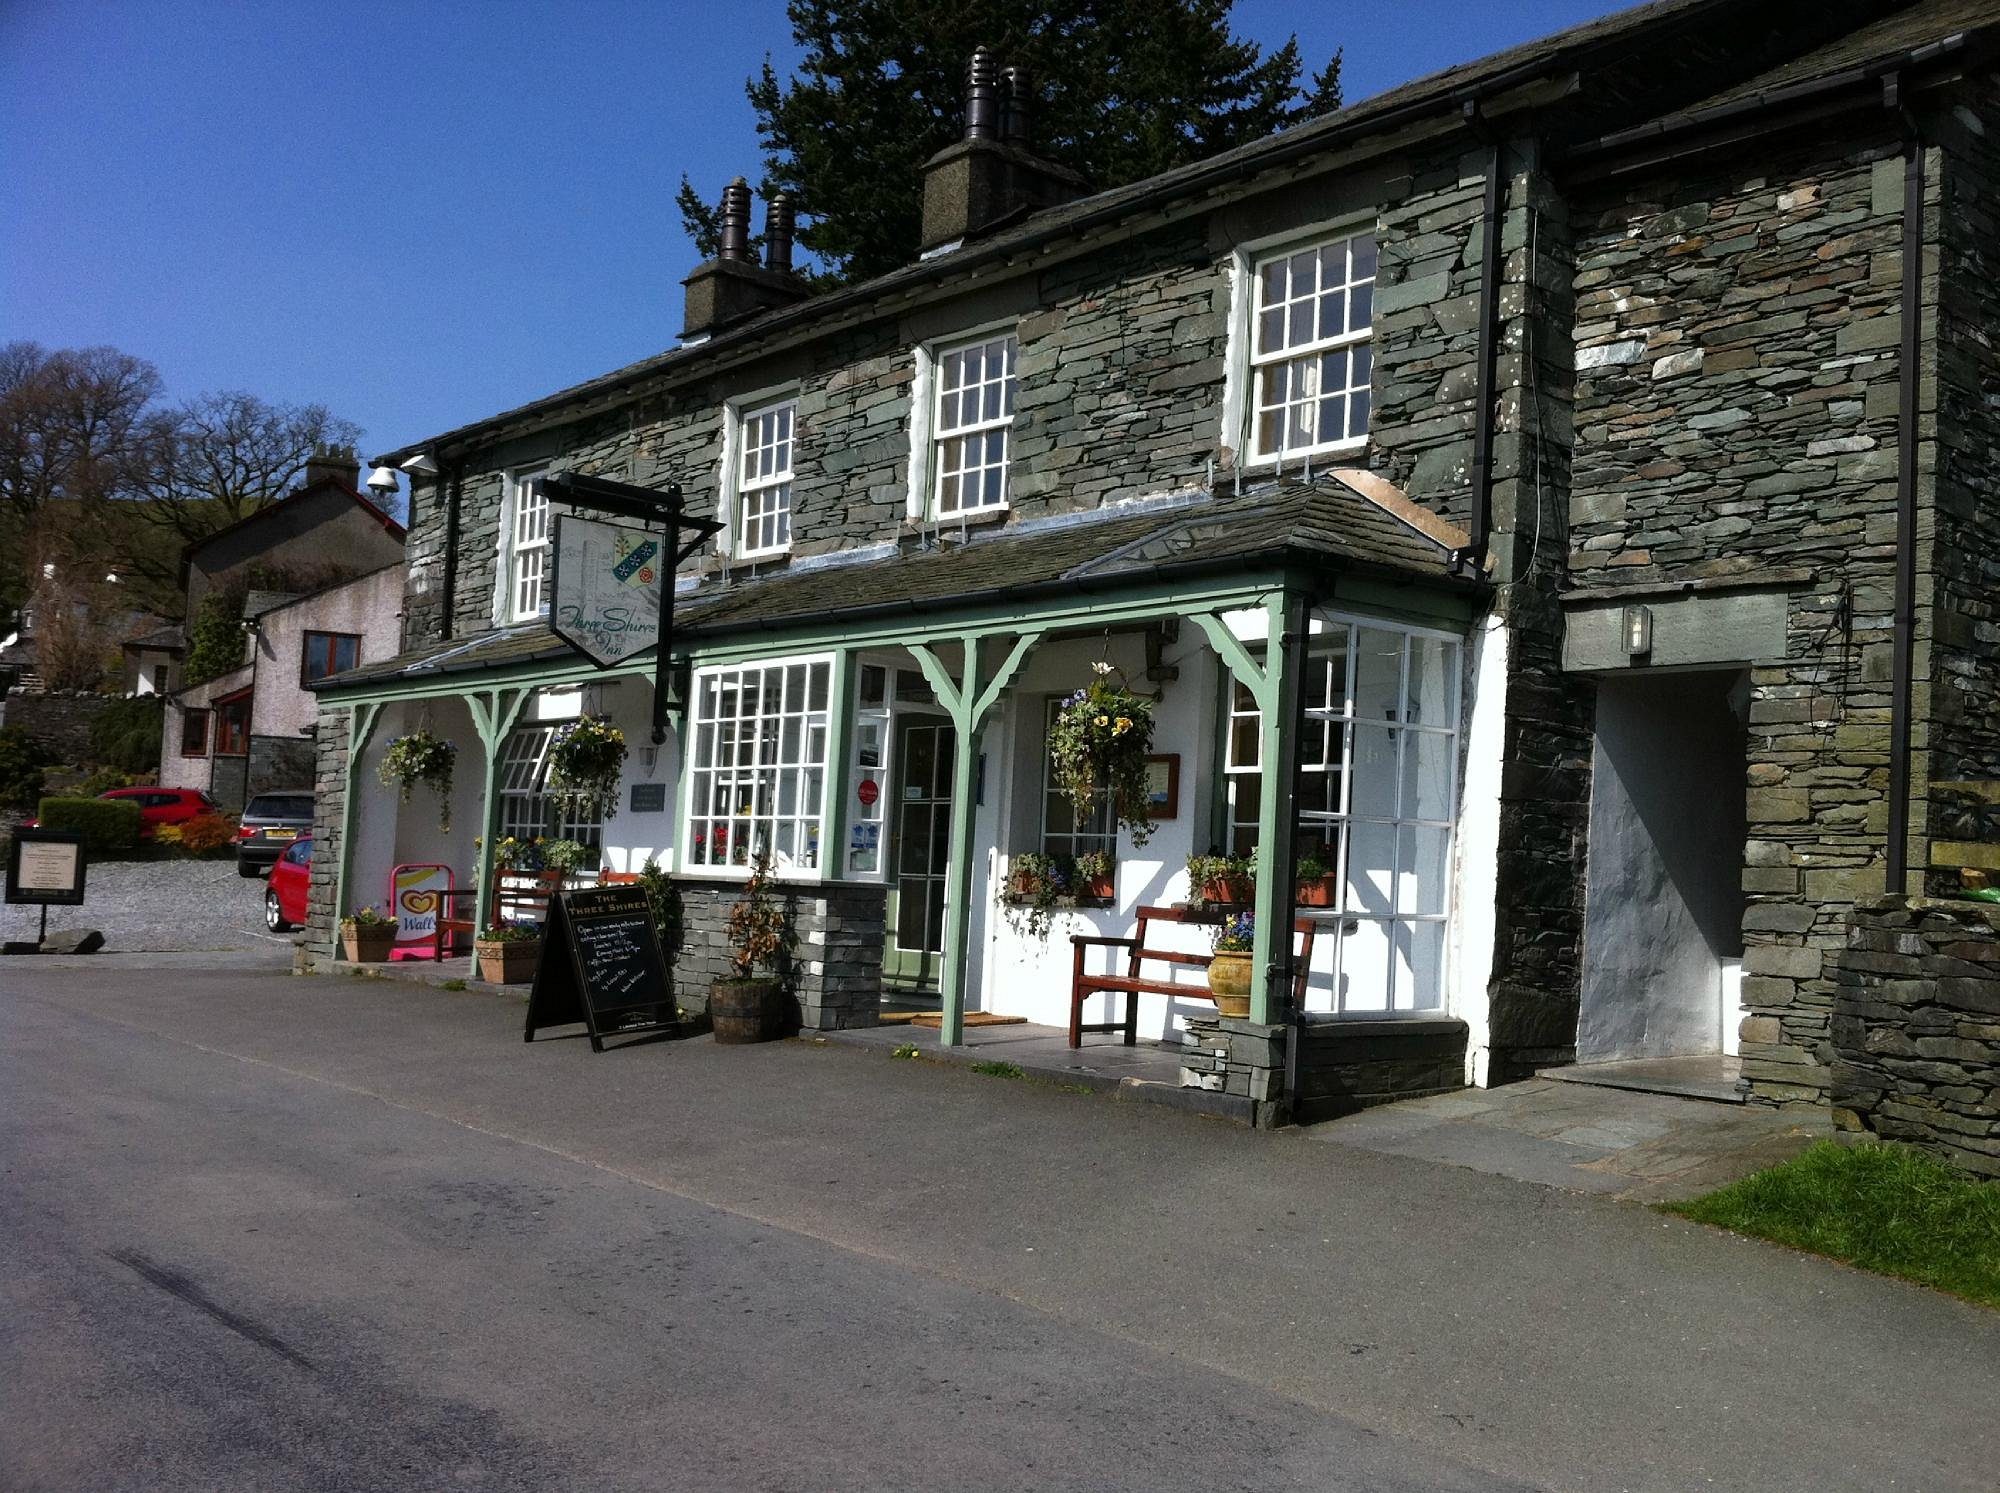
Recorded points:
(1125, 89)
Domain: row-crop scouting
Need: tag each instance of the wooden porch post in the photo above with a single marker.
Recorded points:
(967, 704)
(494, 714)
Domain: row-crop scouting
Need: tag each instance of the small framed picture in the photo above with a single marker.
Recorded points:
(1163, 785)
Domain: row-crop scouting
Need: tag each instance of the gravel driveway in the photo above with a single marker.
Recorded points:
(158, 905)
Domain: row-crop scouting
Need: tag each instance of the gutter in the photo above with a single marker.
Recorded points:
(1909, 376)
(1481, 524)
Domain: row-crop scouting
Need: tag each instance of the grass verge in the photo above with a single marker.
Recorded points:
(1890, 1209)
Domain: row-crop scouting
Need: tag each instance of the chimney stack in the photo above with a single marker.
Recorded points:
(733, 286)
(338, 463)
(991, 176)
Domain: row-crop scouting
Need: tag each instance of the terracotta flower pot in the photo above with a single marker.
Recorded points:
(507, 961)
(1097, 889)
(1229, 891)
(1229, 982)
(367, 943)
(1319, 892)
(1024, 885)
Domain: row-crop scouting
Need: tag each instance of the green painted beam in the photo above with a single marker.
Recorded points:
(839, 764)
(495, 713)
(1286, 619)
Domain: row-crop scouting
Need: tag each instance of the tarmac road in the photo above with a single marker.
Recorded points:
(261, 1232)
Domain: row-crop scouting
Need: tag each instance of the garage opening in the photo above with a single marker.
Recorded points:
(1663, 940)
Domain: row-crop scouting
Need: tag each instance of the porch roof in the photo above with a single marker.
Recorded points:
(1348, 522)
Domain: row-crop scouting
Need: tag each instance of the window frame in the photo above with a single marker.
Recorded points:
(703, 768)
(513, 550)
(1339, 720)
(927, 436)
(1105, 839)
(525, 811)
(1243, 381)
(306, 675)
(220, 734)
(195, 716)
(738, 416)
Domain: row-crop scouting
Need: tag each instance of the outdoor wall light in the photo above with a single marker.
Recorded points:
(420, 465)
(1638, 631)
(382, 481)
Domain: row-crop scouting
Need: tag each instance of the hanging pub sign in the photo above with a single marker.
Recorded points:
(601, 966)
(612, 585)
(606, 588)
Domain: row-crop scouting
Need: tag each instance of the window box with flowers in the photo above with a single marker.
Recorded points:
(1038, 885)
(367, 936)
(586, 762)
(1221, 880)
(1098, 744)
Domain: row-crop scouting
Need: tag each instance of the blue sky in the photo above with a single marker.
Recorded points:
(421, 213)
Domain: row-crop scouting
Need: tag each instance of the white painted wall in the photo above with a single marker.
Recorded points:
(1476, 850)
(371, 608)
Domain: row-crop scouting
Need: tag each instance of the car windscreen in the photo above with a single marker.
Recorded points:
(279, 806)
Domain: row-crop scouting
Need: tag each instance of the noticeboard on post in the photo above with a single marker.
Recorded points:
(46, 867)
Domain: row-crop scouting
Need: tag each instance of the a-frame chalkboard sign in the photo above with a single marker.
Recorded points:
(601, 966)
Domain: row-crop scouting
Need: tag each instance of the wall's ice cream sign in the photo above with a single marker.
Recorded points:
(606, 599)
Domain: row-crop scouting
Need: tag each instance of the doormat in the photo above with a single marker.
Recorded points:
(899, 1018)
(972, 1018)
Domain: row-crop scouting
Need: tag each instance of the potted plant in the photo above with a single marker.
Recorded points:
(565, 857)
(367, 934)
(746, 1006)
(1034, 882)
(508, 953)
(1221, 880)
(1316, 886)
(1229, 970)
(1096, 879)
(585, 765)
(1098, 744)
(421, 757)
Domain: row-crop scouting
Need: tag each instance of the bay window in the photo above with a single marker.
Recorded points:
(1376, 804)
(757, 778)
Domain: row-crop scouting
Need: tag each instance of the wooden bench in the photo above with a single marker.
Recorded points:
(1133, 984)
(517, 903)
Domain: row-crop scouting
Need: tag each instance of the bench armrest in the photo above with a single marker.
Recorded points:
(1081, 939)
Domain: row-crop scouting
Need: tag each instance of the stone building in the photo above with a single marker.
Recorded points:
(1556, 495)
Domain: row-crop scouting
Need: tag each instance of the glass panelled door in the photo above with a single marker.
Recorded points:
(921, 844)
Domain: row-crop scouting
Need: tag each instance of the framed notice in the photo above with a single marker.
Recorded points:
(1163, 785)
(46, 866)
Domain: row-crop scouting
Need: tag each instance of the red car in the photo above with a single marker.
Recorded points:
(158, 806)
(285, 892)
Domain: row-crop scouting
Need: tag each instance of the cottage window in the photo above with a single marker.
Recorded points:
(329, 653)
(525, 810)
(232, 726)
(194, 733)
(973, 410)
(758, 776)
(1376, 804)
(764, 480)
(1310, 352)
(1063, 835)
(527, 546)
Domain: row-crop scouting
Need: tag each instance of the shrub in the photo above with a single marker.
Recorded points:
(126, 735)
(204, 834)
(102, 781)
(216, 638)
(21, 764)
(108, 825)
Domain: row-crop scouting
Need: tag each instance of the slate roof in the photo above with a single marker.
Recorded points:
(1621, 55)
(1325, 526)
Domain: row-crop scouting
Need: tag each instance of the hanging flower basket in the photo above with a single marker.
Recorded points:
(421, 757)
(585, 766)
(1098, 744)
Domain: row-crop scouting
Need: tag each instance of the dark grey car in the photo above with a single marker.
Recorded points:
(271, 822)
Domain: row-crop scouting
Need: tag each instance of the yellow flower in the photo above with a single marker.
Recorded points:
(1104, 720)
(1123, 725)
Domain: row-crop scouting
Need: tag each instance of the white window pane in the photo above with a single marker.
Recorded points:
(1427, 776)
(1374, 790)
(1423, 870)
(1364, 966)
(1419, 966)
(1378, 674)
(1433, 685)
(1362, 264)
(1371, 868)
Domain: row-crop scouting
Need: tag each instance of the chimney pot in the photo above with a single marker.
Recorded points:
(1017, 116)
(735, 221)
(780, 222)
(982, 97)
(337, 462)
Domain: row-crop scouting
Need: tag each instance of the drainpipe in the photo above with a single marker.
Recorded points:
(1473, 557)
(1910, 374)
(451, 492)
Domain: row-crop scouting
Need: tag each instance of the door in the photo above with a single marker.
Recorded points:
(921, 844)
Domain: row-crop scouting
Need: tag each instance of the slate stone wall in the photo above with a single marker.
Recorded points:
(1916, 1029)
(1736, 363)
(1964, 577)
(329, 803)
(833, 974)
(58, 721)
(1344, 1065)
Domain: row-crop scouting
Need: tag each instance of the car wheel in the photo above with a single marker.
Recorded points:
(247, 869)
(274, 917)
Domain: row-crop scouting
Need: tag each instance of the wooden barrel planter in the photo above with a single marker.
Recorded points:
(747, 1010)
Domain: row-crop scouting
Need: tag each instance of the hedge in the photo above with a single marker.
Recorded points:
(106, 824)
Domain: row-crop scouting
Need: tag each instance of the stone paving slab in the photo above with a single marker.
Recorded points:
(1643, 1147)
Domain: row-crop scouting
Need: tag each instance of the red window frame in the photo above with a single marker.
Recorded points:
(329, 662)
(194, 733)
(232, 726)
